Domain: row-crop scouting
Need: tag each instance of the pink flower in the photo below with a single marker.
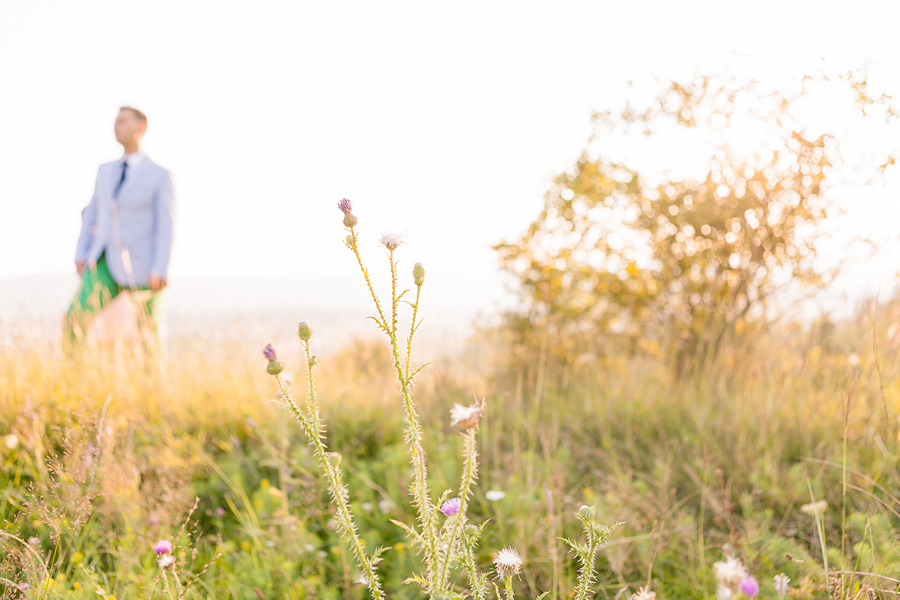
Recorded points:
(162, 547)
(749, 587)
(451, 506)
(269, 352)
(345, 205)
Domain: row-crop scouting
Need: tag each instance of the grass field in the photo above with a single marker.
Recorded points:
(99, 461)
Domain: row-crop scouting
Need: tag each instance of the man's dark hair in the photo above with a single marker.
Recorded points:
(140, 116)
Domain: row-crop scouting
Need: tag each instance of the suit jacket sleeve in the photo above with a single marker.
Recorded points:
(88, 221)
(164, 213)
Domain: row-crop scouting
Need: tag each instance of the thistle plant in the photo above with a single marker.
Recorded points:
(441, 533)
(597, 536)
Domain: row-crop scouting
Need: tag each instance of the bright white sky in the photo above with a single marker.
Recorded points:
(443, 119)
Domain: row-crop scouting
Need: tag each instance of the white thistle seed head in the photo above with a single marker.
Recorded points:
(508, 562)
(729, 573)
(392, 239)
(782, 584)
(466, 417)
(166, 561)
(643, 593)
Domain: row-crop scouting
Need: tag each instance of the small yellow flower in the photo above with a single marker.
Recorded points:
(245, 546)
(76, 586)
(399, 546)
(264, 483)
(77, 557)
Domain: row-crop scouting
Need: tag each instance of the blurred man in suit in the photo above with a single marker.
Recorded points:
(126, 237)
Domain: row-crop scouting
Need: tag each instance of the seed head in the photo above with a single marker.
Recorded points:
(162, 547)
(814, 508)
(166, 561)
(392, 240)
(749, 587)
(451, 507)
(345, 205)
(643, 593)
(304, 330)
(508, 562)
(466, 417)
(418, 274)
(269, 353)
(730, 573)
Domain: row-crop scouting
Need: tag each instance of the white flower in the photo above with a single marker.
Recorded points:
(367, 506)
(166, 560)
(508, 562)
(644, 593)
(782, 584)
(392, 239)
(729, 573)
(494, 495)
(12, 441)
(466, 417)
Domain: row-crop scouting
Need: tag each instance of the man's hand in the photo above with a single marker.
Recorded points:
(157, 283)
(79, 266)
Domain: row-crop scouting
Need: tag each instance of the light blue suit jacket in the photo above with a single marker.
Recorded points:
(136, 230)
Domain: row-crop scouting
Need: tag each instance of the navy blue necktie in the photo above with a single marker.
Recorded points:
(121, 181)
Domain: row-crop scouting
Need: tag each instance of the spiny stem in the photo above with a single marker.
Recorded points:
(470, 472)
(507, 584)
(365, 273)
(412, 330)
(312, 426)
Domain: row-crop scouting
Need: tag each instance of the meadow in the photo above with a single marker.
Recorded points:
(783, 449)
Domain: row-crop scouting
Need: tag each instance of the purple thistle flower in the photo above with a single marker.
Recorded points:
(269, 352)
(451, 506)
(749, 587)
(162, 547)
(345, 206)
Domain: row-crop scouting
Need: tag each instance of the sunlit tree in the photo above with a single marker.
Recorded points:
(682, 217)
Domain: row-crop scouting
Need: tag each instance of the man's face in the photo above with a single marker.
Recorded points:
(128, 128)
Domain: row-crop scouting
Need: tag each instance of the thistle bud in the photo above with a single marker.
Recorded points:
(350, 220)
(418, 274)
(345, 205)
(304, 331)
(269, 352)
(351, 241)
(274, 367)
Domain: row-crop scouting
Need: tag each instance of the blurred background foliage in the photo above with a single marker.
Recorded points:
(682, 254)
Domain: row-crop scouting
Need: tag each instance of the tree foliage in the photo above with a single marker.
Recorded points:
(681, 218)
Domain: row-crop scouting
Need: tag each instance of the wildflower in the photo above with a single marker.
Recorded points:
(12, 440)
(494, 495)
(34, 541)
(508, 562)
(643, 593)
(418, 274)
(269, 353)
(815, 509)
(220, 512)
(162, 547)
(391, 240)
(166, 561)
(782, 584)
(451, 507)
(385, 506)
(24, 586)
(345, 205)
(466, 417)
(729, 573)
(304, 331)
(367, 506)
(749, 587)
(853, 360)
